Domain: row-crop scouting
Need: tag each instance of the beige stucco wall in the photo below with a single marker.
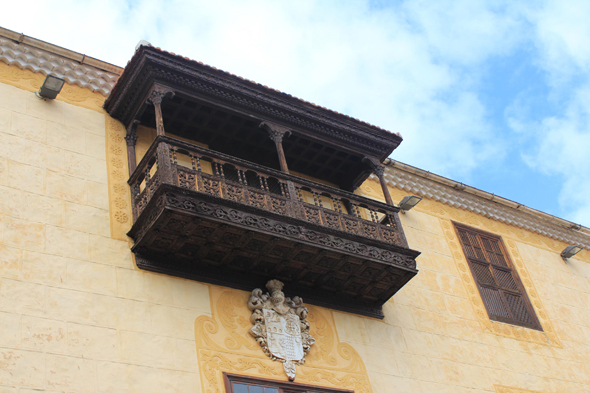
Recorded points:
(76, 315)
(438, 334)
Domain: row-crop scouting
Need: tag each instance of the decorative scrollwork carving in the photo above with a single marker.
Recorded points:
(370, 230)
(389, 235)
(350, 225)
(186, 180)
(290, 230)
(379, 170)
(211, 186)
(275, 132)
(278, 205)
(158, 94)
(234, 193)
(257, 199)
(312, 214)
(332, 220)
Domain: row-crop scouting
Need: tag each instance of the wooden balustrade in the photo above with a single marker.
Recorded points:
(200, 170)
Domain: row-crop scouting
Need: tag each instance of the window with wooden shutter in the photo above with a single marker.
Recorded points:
(499, 285)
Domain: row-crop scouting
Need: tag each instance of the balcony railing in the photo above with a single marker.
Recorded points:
(206, 171)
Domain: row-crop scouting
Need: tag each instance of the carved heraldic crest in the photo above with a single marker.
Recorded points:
(280, 326)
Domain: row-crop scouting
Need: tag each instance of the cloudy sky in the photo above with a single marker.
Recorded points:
(493, 94)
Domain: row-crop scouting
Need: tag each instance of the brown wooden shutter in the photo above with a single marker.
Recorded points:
(499, 285)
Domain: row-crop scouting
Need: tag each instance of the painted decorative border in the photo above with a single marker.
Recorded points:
(547, 337)
(119, 193)
(119, 206)
(224, 345)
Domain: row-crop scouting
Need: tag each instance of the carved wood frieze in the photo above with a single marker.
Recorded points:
(195, 238)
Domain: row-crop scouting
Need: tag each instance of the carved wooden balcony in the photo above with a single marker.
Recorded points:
(208, 216)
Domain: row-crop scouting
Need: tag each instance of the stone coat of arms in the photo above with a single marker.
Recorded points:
(280, 326)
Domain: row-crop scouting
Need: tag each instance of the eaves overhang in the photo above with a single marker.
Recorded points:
(461, 196)
(151, 65)
(42, 57)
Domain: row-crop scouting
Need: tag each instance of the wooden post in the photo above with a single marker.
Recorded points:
(164, 162)
(276, 133)
(131, 139)
(379, 170)
(156, 97)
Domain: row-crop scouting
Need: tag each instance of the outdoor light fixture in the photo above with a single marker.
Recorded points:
(570, 251)
(409, 202)
(51, 87)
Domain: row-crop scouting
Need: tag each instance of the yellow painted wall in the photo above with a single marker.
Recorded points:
(438, 329)
(76, 315)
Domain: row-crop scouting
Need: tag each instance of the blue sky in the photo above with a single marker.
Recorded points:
(493, 94)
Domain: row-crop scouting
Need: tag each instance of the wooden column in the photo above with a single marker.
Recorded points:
(277, 133)
(131, 139)
(379, 171)
(155, 98)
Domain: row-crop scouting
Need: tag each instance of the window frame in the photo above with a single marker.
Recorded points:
(282, 386)
(536, 325)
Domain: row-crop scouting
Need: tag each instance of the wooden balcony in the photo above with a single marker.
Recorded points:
(211, 217)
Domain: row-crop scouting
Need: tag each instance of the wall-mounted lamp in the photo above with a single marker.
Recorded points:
(570, 251)
(51, 87)
(409, 202)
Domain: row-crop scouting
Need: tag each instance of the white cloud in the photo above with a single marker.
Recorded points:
(559, 143)
(561, 148)
(562, 32)
(468, 32)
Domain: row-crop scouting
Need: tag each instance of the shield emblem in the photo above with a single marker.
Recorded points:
(283, 335)
(280, 326)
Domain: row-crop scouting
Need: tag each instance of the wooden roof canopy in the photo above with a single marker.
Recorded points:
(224, 111)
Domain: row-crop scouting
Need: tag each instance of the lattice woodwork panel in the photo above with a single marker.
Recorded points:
(505, 279)
(493, 301)
(494, 252)
(518, 308)
(483, 274)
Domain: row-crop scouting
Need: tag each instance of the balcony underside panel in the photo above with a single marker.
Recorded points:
(211, 239)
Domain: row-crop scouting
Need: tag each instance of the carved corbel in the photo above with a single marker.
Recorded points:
(379, 171)
(131, 139)
(155, 98)
(276, 133)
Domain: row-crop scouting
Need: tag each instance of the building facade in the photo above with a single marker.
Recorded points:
(465, 292)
